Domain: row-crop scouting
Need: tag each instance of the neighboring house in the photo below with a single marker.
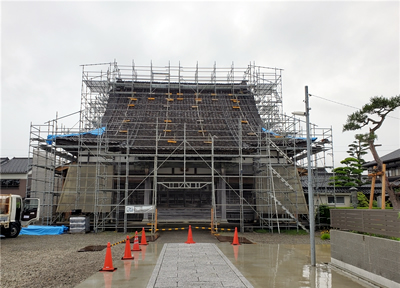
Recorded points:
(14, 175)
(325, 194)
(392, 161)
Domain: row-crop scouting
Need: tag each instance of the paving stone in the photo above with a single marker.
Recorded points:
(195, 265)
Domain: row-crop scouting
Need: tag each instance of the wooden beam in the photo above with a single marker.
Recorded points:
(383, 206)
(371, 196)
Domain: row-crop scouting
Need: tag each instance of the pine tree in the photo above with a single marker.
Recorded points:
(372, 115)
(348, 176)
(358, 148)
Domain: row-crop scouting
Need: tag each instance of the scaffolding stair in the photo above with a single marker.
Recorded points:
(282, 179)
(286, 210)
(283, 154)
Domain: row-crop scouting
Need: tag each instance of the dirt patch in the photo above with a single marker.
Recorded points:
(92, 248)
(242, 240)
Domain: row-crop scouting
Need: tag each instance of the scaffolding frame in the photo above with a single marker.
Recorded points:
(253, 181)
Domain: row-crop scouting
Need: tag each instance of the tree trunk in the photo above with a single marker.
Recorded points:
(389, 190)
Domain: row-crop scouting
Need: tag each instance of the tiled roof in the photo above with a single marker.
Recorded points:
(221, 112)
(391, 157)
(15, 166)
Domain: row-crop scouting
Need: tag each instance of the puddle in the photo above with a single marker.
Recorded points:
(242, 240)
(282, 265)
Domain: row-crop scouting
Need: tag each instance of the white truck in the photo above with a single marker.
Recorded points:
(16, 213)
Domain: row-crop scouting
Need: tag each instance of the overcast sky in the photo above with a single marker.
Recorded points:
(344, 51)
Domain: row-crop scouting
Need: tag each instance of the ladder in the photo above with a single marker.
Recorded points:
(283, 154)
(286, 210)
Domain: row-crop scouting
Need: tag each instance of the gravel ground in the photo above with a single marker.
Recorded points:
(53, 261)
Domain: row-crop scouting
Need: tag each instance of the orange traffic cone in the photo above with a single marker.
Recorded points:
(235, 238)
(108, 266)
(190, 237)
(136, 243)
(128, 254)
(143, 239)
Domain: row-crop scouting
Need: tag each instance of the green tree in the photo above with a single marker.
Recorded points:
(372, 115)
(358, 148)
(349, 175)
(362, 200)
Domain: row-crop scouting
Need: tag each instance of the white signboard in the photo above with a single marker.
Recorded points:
(139, 209)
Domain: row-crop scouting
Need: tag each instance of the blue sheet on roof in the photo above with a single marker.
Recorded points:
(43, 230)
(277, 135)
(95, 132)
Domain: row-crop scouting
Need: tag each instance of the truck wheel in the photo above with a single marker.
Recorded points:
(14, 230)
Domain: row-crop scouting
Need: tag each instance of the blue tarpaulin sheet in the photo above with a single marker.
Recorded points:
(95, 132)
(297, 138)
(43, 230)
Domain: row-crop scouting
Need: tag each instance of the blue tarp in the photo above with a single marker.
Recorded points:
(43, 230)
(95, 132)
(298, 138)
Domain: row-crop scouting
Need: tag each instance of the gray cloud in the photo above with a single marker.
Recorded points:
(344, 51)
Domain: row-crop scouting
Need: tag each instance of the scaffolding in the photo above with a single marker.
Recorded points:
(181, 141)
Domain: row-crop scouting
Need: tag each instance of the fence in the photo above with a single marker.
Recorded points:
(381, 222)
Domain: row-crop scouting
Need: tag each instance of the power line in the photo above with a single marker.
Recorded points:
(339, 103)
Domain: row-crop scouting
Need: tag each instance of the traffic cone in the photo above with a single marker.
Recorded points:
(143, 239)
(190, 237)
(235, 238)
(136, 243)
(128, 254)
(108, 266)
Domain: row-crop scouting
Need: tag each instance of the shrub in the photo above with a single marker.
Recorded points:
(326, 236)
(323, 215)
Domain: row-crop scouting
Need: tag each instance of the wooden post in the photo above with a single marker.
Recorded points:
(371, 196)
(383, 206)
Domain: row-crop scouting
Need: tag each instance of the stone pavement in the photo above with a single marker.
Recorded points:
(195, 265)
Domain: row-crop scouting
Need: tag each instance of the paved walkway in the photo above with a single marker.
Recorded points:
(195, 265)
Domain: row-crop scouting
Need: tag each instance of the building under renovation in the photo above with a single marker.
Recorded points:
(176, 144)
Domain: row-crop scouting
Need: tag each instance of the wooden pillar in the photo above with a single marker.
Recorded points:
(383, 206)
(371, 196)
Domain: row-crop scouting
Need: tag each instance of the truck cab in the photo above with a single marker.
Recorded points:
(16, 213)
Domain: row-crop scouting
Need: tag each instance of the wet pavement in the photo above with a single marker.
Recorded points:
(247, 265)
(195, 265)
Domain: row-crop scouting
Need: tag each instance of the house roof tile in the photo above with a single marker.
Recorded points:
(16, 165)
